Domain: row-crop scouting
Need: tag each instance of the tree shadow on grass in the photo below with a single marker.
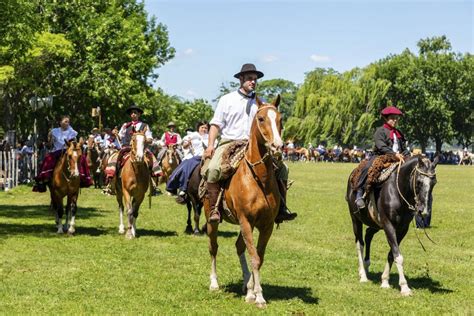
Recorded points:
(423, 282)
(44, 230)
(42, 211)
(277, 292)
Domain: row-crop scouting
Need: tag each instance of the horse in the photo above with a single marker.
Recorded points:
(65, 182)
(132, 183)
(406, 192)
(345, 155)
(303, 154)
(93, 154)
(193, 202)
(252, 198)
(169, 162)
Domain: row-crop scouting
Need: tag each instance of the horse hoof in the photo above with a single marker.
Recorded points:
(213, 287)
(60, 231)
(385, 285)
(188, 230)
(129, 235)
(250, 298)
(71, 232)
(197, 232)
(405, 291)
(363, 280)
(261, 305)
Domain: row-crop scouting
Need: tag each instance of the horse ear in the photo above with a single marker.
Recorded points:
(259, 102)
(435, 161)
(277, 101)
(67, 142)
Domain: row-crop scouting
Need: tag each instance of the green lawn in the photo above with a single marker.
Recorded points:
(310, 266)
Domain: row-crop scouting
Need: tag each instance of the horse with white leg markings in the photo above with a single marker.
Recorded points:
(66, 182)
(252, 199)
(406, 192)
(132, 184)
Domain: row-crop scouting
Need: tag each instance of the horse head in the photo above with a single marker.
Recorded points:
(138, 145)
(423, 181)
(73, 156)
(268, 121)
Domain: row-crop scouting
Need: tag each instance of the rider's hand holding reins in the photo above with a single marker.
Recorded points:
(400, 157)
(209, 152)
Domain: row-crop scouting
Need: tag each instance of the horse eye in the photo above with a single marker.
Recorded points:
(261, 119)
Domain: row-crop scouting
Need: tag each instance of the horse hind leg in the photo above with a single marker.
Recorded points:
(197, 207)
(359, 243)
(58, 211)
(369, 234)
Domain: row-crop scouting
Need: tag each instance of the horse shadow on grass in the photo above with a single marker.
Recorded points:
(42, 211)
(47, 230)
(422, 282)
(278, 293)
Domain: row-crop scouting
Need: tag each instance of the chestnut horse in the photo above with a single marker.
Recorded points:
(253, 199)
(169, 162)
(65, 182)
(132, 183)
(407, 192)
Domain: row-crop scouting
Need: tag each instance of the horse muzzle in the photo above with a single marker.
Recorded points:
(422, 210)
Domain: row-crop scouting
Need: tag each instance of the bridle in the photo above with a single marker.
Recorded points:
(68, 169)
(134, 147)
(267, 152)
(413, 176)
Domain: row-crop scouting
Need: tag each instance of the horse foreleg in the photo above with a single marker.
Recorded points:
(263, 238)
(213, 246)
(57, 206)
(120, 204)
(247, 283)
(130, 221)
(189, 228)
(255, 294)
(386, 271)
(72, 208)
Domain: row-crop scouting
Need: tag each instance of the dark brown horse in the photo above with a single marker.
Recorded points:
(405, 193)
(65, 182)
(193, 202)
(132, 183)
(253, 199)
(93, 153)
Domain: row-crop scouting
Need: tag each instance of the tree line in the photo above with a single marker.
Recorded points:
(85, 54)
(108, 53)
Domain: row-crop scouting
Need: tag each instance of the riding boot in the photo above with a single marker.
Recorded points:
(360, 198)
(284, 213)
(213, 190)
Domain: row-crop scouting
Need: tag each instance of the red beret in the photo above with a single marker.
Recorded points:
(391, 110)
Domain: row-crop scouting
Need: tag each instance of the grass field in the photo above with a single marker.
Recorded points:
(310, 266)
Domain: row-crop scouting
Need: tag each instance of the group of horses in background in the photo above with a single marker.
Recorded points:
(329, 155)
(251, 199)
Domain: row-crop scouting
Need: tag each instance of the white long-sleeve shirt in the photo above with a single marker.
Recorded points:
(231, 116)
(60, 136)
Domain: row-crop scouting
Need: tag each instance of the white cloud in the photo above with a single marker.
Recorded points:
(319, 58)
(269, 58)
(188, 51)
(191, 93)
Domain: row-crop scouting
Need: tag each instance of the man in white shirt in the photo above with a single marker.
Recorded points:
(233, 119)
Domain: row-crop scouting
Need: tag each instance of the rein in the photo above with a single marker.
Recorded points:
(410, 206)
(65, 157)
(413, 178)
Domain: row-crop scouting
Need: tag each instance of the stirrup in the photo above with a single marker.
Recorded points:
(214, 216)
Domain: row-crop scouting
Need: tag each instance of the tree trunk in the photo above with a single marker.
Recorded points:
(439, 144)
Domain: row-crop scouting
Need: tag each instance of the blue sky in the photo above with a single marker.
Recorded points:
(286, 39)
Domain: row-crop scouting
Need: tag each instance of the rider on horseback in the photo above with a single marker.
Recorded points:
(233, 118)
(57, 138)
(170, 138)
(125, 135)
(388, 140)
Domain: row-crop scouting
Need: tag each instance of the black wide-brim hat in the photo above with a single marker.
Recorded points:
(248, 68)
(134, 107)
